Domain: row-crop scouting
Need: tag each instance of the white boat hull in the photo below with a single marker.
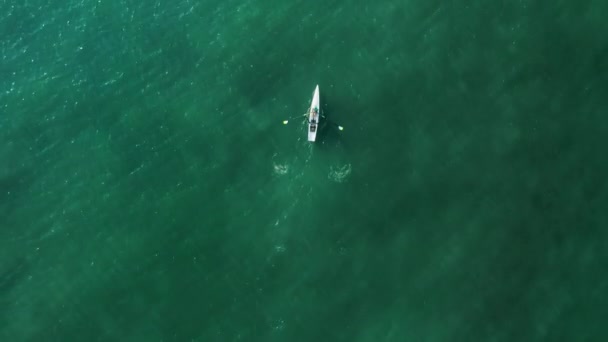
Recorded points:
(314, 114)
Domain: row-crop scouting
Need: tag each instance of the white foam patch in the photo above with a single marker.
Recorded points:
(339, 174)
(280, 169)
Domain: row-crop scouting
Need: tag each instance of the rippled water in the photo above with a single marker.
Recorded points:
(150, 192)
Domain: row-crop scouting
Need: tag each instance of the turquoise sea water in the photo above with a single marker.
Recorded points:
(149, 192)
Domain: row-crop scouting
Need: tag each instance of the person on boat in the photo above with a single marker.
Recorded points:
(313, 116)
